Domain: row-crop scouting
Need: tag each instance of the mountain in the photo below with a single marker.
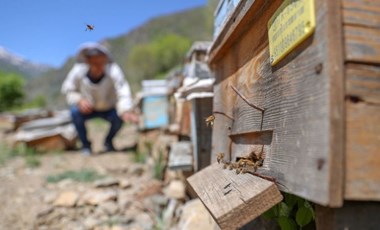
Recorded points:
(10, 62)
(194, 24)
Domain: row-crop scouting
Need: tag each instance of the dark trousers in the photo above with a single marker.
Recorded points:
(79, 123)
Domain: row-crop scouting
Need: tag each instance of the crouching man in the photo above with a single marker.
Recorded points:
(95, 87)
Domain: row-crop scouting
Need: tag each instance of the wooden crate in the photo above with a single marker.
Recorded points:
(315, 115)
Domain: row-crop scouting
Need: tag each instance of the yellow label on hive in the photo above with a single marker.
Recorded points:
(290, 25)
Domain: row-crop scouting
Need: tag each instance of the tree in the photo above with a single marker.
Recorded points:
(147, 61)
(11, 90)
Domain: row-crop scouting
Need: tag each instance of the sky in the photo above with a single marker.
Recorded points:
(49, 31)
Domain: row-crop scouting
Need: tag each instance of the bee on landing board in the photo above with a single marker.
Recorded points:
(89, 27)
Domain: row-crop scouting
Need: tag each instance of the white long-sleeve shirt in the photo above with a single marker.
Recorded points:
(112, 91)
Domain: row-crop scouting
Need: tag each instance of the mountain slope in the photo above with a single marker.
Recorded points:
(10, 62)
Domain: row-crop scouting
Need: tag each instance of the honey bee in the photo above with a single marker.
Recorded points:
(220, 157)
(210, 120)
(89, 27)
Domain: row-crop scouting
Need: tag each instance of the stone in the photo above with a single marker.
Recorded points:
(45, 211)
(168, 213)
(90, 222)
(195, 216)
(107, 182)
(49, 197)
(137, 170)
(109, 208)
(65, 183)
(125, 184)
(134, 226)
(149, 188)
(67, 199)
(96, 197)
(119, 227)
(159, 199)
(125, 200)
(176, 189)
(145, 221)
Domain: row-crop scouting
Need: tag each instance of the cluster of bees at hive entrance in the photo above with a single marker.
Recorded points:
(243, 165)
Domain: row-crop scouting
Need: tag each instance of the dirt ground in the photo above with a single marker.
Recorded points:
(23, 189)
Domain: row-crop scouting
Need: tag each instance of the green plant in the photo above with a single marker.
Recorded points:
(292, 213)
(83, 175)
(30, 156)
(159, 165)
(140, 157)
(11, 90)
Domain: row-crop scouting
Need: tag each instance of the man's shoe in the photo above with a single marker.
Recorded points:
(108, 147)
(86, 151)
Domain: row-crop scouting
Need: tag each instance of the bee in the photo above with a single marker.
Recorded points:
(220, 157)
(210, 120)
(89, 27)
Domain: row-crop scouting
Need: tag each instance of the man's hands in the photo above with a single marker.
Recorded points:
(85, 106)
(130, 117)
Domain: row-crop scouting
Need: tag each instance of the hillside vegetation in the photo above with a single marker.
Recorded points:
(146, 52)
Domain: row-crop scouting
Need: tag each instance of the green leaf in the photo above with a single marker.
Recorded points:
(286, 223)
(304, 216)
(308, 206)
(291, 200)
(284, 209)
(271, 213)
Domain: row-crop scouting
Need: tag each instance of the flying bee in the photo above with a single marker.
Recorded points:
(89, 27)
(210, 120)
(220, 157)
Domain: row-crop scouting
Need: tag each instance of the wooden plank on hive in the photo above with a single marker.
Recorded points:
(361, 13)
(233, 200)
(363, 81)
(180, 157)
(303, 97)
(362, 44)
(362, 151)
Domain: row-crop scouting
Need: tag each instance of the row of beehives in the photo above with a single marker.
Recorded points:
(179, 105)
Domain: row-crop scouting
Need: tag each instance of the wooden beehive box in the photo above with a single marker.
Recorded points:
(315, 112)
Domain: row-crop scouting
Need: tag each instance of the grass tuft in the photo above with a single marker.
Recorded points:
(83, 175)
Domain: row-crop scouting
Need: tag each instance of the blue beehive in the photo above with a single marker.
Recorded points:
(155, 110)
(155, 104)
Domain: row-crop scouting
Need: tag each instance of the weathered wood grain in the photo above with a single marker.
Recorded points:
(364, 13)
(258, 142)
(302, 96)
(362, 151)
(221, 143)
(233, 200)
(362, 44)
(363, 81)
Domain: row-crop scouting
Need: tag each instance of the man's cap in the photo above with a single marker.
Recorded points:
(92, 49)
